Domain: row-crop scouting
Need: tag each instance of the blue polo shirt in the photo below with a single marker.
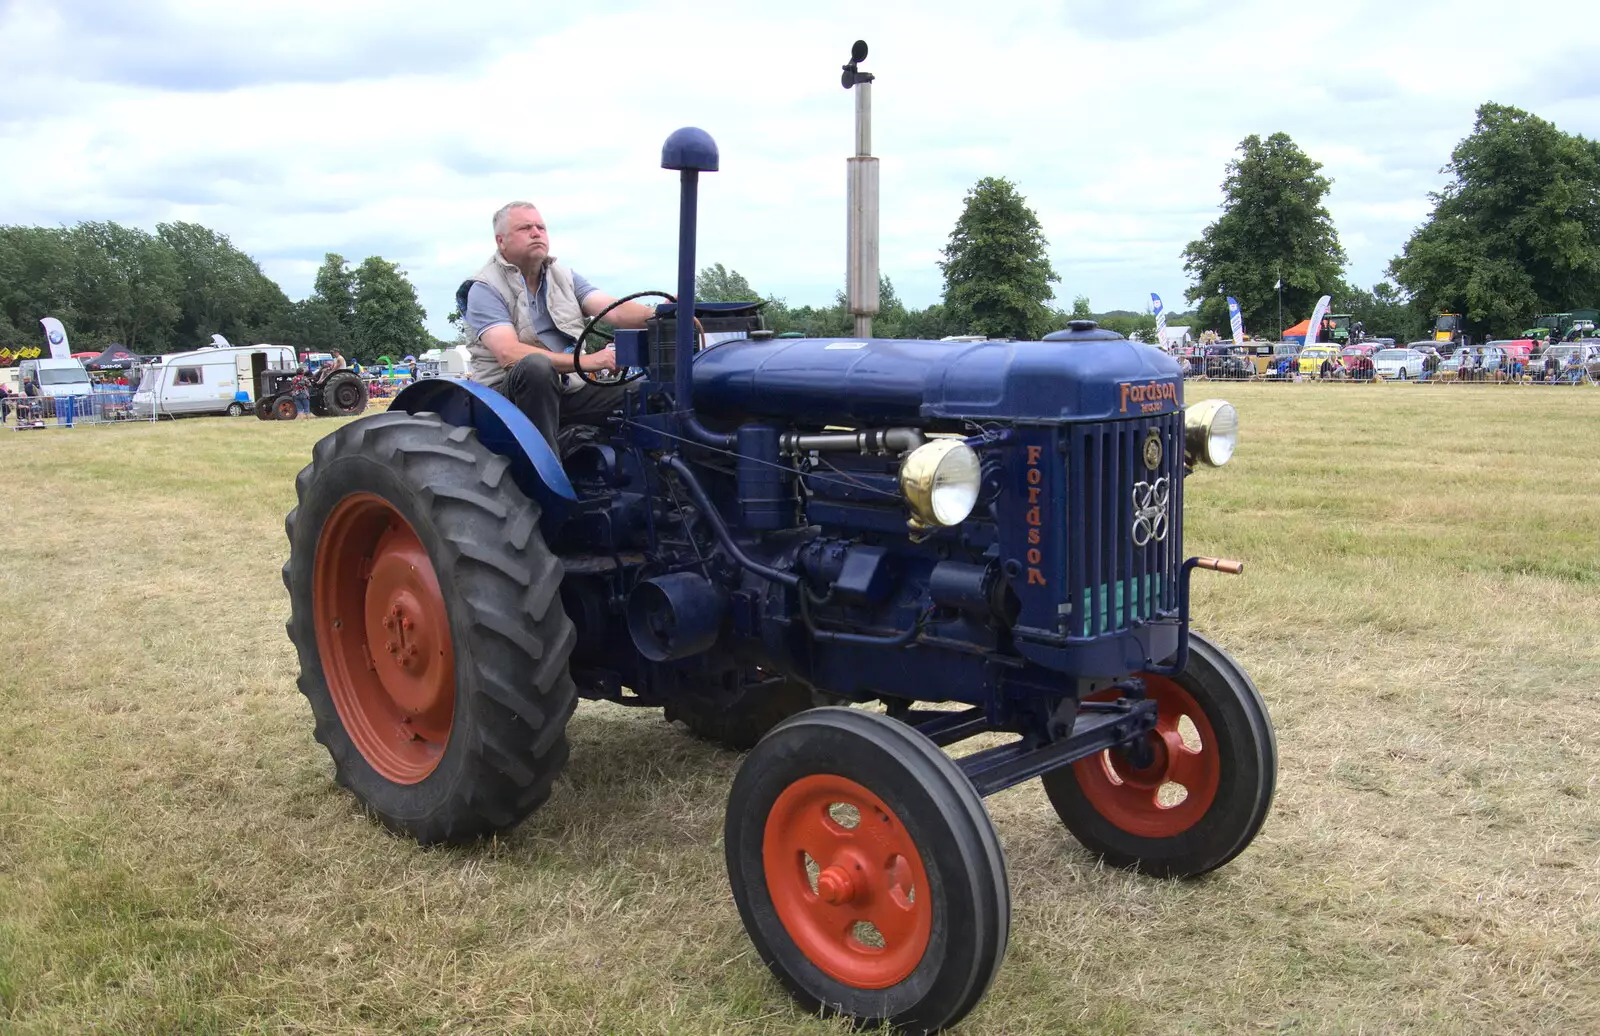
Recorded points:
(485, 309)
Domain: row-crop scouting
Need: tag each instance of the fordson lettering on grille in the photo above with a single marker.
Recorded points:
(1151, 397)
(1035, 517)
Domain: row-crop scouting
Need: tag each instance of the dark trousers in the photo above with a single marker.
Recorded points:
(535, 386)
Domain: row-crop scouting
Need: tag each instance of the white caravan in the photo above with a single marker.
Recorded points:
(444, 363)
(214, 380)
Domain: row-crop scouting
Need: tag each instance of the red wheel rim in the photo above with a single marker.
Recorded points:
(383, 635)
(1134, 798)
(860, 877)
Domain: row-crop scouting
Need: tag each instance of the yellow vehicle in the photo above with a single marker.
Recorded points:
(1311, 356)
(1447, 328)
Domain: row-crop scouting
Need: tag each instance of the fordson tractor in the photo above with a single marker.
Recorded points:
(970, 538)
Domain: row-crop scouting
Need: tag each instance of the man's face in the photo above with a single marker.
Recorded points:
(525, 242)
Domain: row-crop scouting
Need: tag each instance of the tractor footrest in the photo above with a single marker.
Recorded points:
(1099, 726)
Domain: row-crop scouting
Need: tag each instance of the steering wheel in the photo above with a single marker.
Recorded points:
(583, 347)
(617, 377)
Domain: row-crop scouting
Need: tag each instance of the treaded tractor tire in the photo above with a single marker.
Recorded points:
(508, 696)
(741, 720)
(264, 409)
(344, 394)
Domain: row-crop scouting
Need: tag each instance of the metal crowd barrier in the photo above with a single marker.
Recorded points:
(27, 413)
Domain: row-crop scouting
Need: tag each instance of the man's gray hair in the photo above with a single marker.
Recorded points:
(504, 213)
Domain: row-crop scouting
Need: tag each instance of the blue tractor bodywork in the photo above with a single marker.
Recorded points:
(763, 533)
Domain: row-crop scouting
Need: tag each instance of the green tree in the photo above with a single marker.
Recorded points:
(996, 275)
(388, 318)
(335, 288)
(127, 287)
(1383, 312)
(37, 279)
(718, 284)
(1080, 309)
(222, 290)
(1516, 232)
(1273, 225)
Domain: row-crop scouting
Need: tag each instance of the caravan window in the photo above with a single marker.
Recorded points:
(187, 376)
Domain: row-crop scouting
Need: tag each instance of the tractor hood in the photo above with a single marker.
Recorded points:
(1080, 375)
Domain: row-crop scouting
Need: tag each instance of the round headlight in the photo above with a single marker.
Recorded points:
(1210, 432)
(940, 480)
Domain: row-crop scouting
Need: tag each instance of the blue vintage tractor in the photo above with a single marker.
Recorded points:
(982, 537)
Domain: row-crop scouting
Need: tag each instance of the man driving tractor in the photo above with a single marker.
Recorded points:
(526, 311)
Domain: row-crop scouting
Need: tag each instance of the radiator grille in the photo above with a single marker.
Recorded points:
(1113, 581)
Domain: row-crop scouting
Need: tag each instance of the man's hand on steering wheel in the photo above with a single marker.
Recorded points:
(599, 360)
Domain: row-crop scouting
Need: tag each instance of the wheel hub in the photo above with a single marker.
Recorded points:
(1136, 798)
(865, 919)
(383, 634)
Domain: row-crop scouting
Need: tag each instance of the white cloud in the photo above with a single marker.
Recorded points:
(397, 128)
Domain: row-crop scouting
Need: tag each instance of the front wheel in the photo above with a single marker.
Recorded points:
(426, 614)
(1208, 785)
(866, 871)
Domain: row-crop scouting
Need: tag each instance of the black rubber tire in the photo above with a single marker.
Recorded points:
(500, 585)
(344, 394)
(236, 409)
(739, 721)
(946, 821)
(1249, 768)
(264, 409)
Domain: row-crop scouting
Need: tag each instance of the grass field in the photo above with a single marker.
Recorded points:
(1421, 611)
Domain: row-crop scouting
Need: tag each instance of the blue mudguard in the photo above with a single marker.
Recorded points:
(502, 428)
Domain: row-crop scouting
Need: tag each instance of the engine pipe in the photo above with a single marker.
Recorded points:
(691, 151)
(720, 528)
(879, 442)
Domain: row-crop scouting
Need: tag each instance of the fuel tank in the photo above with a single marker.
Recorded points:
(1081, 374)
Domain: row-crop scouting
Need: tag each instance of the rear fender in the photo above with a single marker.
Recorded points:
(503, 429)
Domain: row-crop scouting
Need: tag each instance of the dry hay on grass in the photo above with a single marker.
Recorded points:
(1421, 611)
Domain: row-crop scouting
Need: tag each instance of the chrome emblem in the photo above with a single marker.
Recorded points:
(1150, 511)
(1152, 450)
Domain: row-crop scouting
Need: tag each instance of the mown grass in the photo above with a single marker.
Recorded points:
(1421, 610)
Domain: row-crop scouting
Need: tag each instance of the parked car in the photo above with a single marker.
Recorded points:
(1229, 362)
(1311, 357)
(1398, 364)
(1350, 353)
(1585, 352)
(1425, 348)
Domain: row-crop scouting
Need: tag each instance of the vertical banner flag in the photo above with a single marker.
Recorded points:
(56, 335)
(1317, 314)
(1161, 319)
(1236, 320)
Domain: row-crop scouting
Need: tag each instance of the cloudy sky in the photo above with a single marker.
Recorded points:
(395, 128)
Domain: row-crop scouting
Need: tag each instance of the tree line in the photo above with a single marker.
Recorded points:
(1516, 233)
(172, 290)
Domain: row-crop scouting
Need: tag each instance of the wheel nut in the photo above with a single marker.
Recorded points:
(835, 887)
(389, 646)
(406, 624)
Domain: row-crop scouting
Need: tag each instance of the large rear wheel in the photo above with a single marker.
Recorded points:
(1206, 785)
(343, 394)
(426, 614)
(866, 871)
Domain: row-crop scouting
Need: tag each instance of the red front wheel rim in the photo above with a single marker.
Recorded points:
(1143, 800)
(383, 635)
(854, 896)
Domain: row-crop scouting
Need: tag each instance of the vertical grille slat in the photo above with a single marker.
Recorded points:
(1112, 583)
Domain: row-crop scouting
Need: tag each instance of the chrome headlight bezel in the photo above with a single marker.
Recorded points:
(941, 480)
(1210, 432)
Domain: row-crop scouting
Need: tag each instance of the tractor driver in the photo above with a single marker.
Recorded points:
(525, 311)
